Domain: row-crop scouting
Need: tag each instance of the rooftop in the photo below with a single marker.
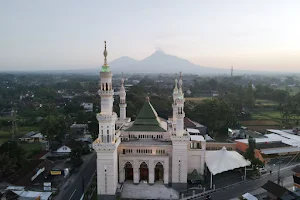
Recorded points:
(280, 150)
(146, 142)
(279, 191)
(147, 120)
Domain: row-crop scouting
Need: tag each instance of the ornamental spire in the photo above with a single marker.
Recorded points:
(176, 85)
(180, 83)
(105, 54)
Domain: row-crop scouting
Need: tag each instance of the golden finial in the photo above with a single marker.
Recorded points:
(105, 54)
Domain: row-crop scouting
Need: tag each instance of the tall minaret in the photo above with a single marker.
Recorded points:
(122, 104)
(174, 105)
(107, 143)
(180, 140)
(180, 112)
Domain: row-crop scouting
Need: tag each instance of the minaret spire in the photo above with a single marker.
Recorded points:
(122, 80)
(105, 54)
(180, 83)
(175, 91)
(122, 104)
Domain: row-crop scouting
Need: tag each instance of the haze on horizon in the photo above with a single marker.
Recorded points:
(254, 35)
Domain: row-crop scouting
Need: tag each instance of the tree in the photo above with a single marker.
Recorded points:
(8, 165)
(54, 127)
(249, 97)
(11, 158)
(215, 114)
(250, 154)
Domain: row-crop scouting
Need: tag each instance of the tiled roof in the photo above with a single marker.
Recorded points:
(147, 120)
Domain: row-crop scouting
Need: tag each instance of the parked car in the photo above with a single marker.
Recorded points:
(263, 170)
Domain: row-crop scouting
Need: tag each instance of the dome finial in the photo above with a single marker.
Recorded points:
(105, 54)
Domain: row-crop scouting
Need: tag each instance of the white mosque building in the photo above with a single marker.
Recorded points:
(148, 150)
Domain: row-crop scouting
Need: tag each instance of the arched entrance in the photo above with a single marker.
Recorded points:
(128, 171)
(144, 172)
(159, 172)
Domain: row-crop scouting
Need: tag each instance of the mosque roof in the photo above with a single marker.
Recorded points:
(147, 120)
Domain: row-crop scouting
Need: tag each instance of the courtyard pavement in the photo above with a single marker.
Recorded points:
(145, 191)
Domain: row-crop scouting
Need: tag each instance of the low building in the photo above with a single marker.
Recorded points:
(243, 133)
(32, 137)
(277, 192)
(296, 176)
(79, 129)
(63, 150)
(88, 107)
(188, 123)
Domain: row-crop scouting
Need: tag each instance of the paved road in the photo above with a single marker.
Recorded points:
(73, 188)
(247, 186)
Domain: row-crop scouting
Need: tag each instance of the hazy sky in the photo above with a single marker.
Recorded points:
(61, 34)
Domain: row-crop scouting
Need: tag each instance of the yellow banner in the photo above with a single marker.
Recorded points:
(55, 172)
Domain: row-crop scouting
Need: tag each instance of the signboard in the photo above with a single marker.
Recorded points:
(37, 173)
(47, 186)
(55, 172)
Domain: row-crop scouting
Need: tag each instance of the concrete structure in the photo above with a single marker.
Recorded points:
(79, 129)
(32, 137)
(88, 107)
(150, 150)
(63, 150)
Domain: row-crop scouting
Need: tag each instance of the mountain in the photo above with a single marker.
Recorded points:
(160, 62)
(123, 61)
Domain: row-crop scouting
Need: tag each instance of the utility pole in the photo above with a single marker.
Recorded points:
(14, 126)
(278, 174)
(82, 184)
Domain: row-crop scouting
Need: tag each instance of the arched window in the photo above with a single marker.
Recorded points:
(107, 137)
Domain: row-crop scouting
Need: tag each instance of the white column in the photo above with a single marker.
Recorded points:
(122, 175)
(136, 175)
(166, 174)
(211, 180)
(245, 173)
(202, 158)
(151, 175)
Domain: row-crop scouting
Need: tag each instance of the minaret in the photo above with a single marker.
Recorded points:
(107, 142)
(174, 105)
(122, 104)
(180, 140)
(180, 112)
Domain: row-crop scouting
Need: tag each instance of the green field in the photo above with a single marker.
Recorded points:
(264, 102)
(31, 148)
(6, 132)
(266, 115)
(196, 98)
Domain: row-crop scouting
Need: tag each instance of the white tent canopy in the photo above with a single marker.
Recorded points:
(249, 196)
(223, 160)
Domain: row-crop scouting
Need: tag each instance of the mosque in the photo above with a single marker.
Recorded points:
(148, 150)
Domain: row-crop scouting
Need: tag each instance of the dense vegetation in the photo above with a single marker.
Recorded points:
(41, 103)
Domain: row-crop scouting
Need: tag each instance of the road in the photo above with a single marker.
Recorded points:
(247, 186)
(73, 188)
